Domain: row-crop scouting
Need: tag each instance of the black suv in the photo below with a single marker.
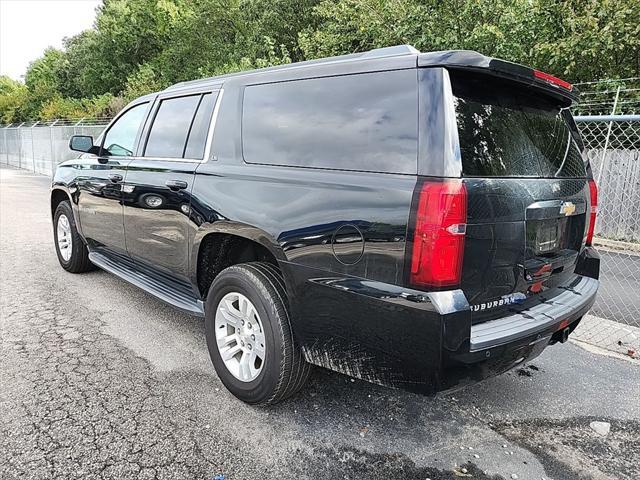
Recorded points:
(417, 220)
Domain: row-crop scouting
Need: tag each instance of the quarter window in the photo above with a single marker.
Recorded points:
(200, 128)
(120, 139)
(365, 122)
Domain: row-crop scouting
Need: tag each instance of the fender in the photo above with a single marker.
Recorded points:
(238, 229)
(71, 194)
(65, 179)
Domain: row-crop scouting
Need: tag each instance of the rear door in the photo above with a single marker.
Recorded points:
(158, 184)
(527, 188)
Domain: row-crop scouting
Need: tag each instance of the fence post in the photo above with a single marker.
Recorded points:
(6, 145)
(33, 148)
(75, 131)
(606, 142)
(20, 138)
(54, 162)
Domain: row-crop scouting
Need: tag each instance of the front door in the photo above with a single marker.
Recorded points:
(159, 181)
(100, 182)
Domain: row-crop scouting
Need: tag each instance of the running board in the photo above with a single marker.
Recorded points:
(176, 294)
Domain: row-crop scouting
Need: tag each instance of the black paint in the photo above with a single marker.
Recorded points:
(341, 237)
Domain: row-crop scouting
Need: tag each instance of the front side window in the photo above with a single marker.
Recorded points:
(120, 139)
(364, 122)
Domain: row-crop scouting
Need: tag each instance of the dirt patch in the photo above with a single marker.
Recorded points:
(350, 463)
(572, 444)
(527, 371)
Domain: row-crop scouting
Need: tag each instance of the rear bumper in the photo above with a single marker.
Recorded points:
(425, 341)
(558, 312)
(499, 345)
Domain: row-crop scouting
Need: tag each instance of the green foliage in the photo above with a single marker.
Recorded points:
(59, 107)
(42, 79)
(84, 70)
(595, 39)
(141, 82)
(218, 36)
(13, 100)
(130, 33)
(44, 73)
(140, 46)
(579, 40)
(273, 55)
(8, 85)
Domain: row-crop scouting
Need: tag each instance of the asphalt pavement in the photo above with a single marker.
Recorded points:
(99, 380)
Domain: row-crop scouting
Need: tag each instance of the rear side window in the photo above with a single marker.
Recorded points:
(506, 130)
(180, 127)
(364, 122)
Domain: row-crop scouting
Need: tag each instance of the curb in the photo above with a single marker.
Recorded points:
(617, 246)
(606, 334)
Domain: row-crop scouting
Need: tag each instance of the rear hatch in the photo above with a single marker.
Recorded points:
(527, 193)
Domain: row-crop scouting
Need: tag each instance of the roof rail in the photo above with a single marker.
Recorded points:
(391, 51)
(394, 51)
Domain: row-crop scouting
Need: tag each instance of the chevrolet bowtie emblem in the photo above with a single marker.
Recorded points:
(567, 208)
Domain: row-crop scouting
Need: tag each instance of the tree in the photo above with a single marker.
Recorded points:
(143, 81)
(43, 79)
(139, 46)
(13, 100)
(580, 40)
(218, 36)
(86, 72)
(131, 33)
(590, 39)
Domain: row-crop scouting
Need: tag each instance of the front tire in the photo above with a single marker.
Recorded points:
(70, 248)
(249, 335)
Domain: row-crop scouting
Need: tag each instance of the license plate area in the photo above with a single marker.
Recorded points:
(545, 237)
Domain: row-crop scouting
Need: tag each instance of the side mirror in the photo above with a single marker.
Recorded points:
(83, 143)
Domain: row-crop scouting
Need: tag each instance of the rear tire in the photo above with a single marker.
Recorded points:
(283, 370)
(70, 247)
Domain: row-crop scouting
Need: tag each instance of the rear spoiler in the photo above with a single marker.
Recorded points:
(473, 61)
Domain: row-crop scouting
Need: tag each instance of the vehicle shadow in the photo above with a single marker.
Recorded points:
(335, 424)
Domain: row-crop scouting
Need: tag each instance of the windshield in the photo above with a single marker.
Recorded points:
(507, 130)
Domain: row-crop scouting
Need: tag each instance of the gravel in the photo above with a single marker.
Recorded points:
(99, 380)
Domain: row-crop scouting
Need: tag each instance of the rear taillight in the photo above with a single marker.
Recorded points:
(439, 229)
(593, 201)
(547, 77)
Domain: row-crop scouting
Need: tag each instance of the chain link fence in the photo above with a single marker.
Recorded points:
(40, 146)
(612, 145)
(619, 96)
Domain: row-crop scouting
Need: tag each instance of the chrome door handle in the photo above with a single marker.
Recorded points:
(115, 177)
(176, 184)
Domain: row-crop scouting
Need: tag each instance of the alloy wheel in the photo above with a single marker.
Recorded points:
(240, 336)
(65, 241)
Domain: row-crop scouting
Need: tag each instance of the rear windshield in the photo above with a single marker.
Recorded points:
(507, 130)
